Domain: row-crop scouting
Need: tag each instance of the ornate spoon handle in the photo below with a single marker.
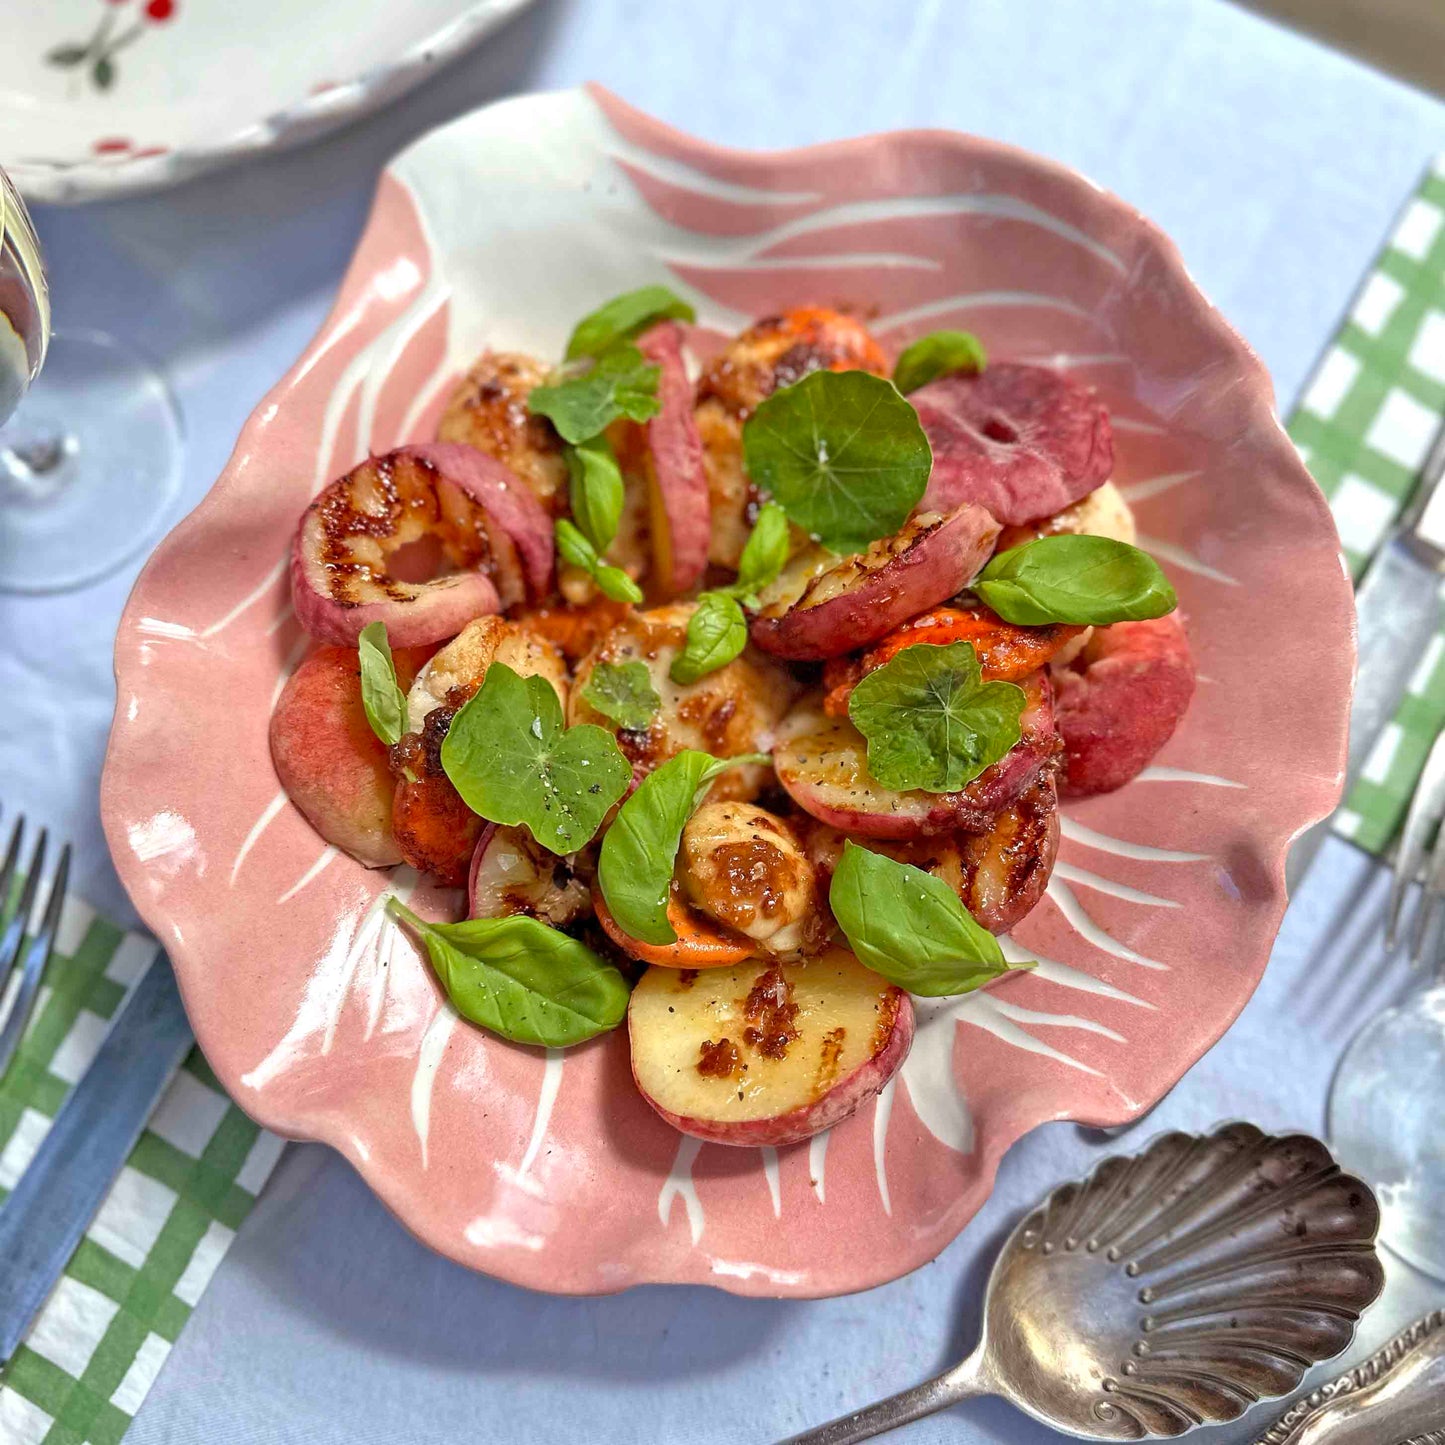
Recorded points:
(962, 1382)
(1396, 1397)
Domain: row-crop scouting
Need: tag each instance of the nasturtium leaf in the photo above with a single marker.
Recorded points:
(940, 353)
(634, 867)
(931, 721)
(596, 490)
(513, 762)
(764, 553)
(716, 632)
(1090, 581)
(577, 551)
(910, 926)
(624, 317)
(584, 404)
(843, 453)
(624, 692)
(382, 699)
(521, 979)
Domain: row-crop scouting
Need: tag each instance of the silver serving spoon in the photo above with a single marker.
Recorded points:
(1168, 1290)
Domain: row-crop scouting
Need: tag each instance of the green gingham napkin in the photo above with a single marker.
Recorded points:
(105, 1332)
(1363, 426)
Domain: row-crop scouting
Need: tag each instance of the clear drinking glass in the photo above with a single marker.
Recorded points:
(90, 446)
(1384, 1121)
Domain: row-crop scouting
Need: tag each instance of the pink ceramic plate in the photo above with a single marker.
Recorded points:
(320, 1017)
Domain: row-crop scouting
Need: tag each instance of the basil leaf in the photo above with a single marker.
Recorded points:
(940, 353)
(577, 551)
(381, 698)
(624, 317)
(1092, 581)
(596, 490)
(716, 632)
(910, 926)
(634, 867)
(624, 692)
(843, 453)
(620, 383)
(764, 553)
(522, 980)
(930, 719)
(512, 761)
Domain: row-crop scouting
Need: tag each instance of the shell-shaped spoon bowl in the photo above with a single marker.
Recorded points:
(1168, 1290)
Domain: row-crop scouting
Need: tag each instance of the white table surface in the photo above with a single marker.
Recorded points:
(1277, 167)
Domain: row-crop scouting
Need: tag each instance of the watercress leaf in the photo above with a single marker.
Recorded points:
(581, 406)
(910, 926)
(381, 698)
(843, 453)
(624, 317)
(764, 553)
(624, 692)
(596, 490)
(577, 551)
(1092, 581)
(716, 632)
(512, 761)
(940, 353)
(930, 719)
(634, 867)
(521, 979)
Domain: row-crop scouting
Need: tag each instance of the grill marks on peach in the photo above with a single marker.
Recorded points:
(393, 504)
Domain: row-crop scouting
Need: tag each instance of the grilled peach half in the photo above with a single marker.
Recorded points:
(766, 1053)
(331, 764)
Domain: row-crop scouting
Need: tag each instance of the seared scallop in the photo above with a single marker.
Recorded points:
(745, 867)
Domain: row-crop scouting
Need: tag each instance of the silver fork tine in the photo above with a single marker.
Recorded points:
(37, 955)
(14, 934)
(1431, 895)
(12, 857)
(1426, 808)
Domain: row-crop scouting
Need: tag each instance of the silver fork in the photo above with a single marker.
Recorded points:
(1427, 808)
(29, 954)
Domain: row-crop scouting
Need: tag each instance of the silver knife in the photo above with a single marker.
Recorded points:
(51, 1207)
(1398, 608)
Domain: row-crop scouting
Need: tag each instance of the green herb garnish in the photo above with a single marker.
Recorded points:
(513, 762)
(381, 698)
(577, 551)
(716, 632)
(910, 926)
(584, 404)
(624, 317)
(1089, 581)
(596, 490)
(634, 868)
(843, 453)
(931, 720)
(520, 979)
(624, 692)
(940, 353)
(765, 553)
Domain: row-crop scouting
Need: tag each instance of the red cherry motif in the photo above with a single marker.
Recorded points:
(111, 145)
(160, 10)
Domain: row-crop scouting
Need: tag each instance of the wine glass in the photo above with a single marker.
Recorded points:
(90, 446)
(1384, 1121)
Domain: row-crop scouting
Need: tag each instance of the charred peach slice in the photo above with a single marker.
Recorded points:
(766, 1053)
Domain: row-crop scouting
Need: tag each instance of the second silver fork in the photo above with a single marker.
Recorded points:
(1427, 807)
(29, 953)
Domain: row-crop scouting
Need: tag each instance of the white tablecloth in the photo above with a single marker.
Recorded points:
(1275, 164)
